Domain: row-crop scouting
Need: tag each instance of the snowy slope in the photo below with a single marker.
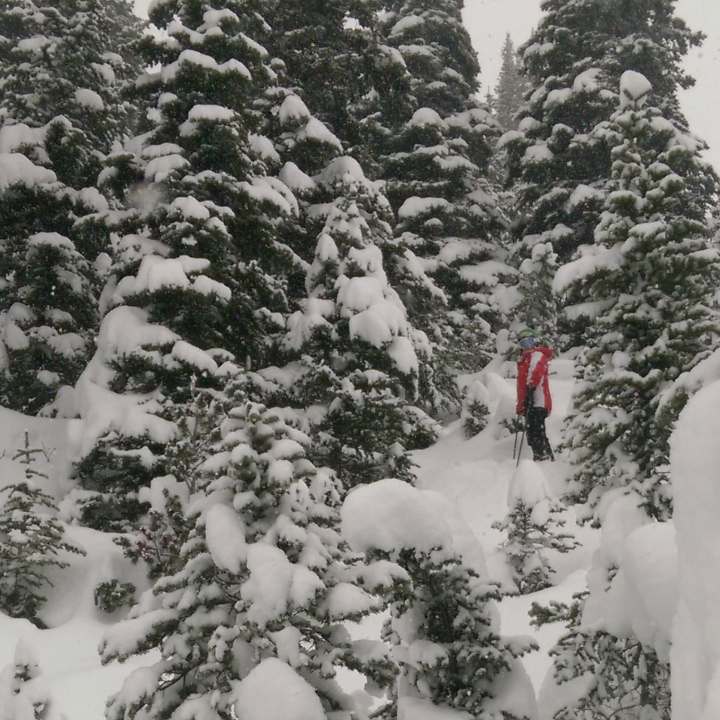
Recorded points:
(473, 474)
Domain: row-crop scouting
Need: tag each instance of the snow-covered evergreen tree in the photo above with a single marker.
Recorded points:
(510, 88)
(647, 284)
(264, 574)
(538, 305)
(475, 408)
(532, 529)
(324, 45)
(647, 280)
(49, 297)
(442, 621)
(359, 353)
(199, 268)
(434, 159)
(574, 60)
(627, 679)
(64, 66)
(60, 111)
(31, 539)
(24, 695)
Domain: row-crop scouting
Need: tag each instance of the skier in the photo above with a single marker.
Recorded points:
(533, 392)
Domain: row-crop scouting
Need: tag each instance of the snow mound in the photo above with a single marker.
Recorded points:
(274, 691)
(634, 88)
(391, 515)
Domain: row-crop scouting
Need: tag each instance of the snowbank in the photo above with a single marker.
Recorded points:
(695, 467)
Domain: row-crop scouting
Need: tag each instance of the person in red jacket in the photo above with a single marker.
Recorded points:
(533, 392)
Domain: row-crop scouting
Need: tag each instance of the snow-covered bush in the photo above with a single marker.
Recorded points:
(264, 573)
(475, 410)
(24, 695)
(443, 624)
(616, 651)
(31, 540)
(616, 677)
(532, 526)
(113, 594)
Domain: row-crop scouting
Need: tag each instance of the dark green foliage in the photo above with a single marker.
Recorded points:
(574, 61)
(359, 357)
(162, 533)
(475, 410)
(464, 655)
(530, 535)
(625, 679)
(447, 263)
(30, 541)
(63, 69)
(538, 307)
(200, 267)
(651, 284)
(114, 471)
(281, 516)
(112, 595)
(324, 46)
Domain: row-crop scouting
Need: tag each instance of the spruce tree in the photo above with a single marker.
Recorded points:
(434, 158)
(263, 574)
(442, 622)
(573, 61)
(324, 46)
(199, 267)
(64, 67)
(510, 88)
(533, 528)
(628, 679)
(649, 274)
(537, 307)
(359, 354)
(60, 111)
(31, 540)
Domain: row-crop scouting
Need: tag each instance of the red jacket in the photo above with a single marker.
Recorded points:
(533, 370)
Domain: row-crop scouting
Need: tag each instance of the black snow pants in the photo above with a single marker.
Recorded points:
(536, 436)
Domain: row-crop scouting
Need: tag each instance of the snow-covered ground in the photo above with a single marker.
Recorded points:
(473, 474)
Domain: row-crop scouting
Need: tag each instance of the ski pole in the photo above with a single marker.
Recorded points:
(517, 432)
(522, 440)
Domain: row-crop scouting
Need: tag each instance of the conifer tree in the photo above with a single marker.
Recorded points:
(64, 67)
(510, 88)
(60, 111)
(649, 275)
(324, 46)
(532, 525)
(263, 574)
(199, 267)
(434, 159)
(628, 679)
(538, 307)
(31, 540)
(573, 61)
(360, 354)
(442, 623)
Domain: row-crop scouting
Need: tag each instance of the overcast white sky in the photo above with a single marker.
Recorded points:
(489, 20)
